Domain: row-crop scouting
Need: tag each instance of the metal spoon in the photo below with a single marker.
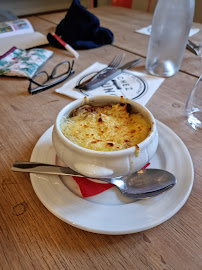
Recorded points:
(142, 184)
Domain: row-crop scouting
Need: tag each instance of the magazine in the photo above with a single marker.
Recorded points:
(21, 34)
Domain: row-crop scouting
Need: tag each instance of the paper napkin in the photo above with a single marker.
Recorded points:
(134, 85)
(147, 30)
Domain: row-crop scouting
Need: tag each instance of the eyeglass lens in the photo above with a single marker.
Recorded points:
(61, 69)
(41, 78)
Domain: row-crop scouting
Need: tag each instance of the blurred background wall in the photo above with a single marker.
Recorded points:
(27, 7)
(143, 5)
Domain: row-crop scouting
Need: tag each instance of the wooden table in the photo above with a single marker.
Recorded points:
(32, 237)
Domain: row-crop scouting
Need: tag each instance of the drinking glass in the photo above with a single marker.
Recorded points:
(194, 106)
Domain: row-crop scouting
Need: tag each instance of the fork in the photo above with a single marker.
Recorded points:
(191, 46)
(116, 61)
(113, 64)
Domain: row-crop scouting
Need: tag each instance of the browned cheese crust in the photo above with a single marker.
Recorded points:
(106, 128)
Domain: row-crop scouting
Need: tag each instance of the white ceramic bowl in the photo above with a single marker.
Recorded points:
(93, 163)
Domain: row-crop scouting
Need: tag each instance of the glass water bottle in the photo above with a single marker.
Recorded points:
(171, 24)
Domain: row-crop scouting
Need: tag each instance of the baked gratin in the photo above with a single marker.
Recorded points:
(106, 128)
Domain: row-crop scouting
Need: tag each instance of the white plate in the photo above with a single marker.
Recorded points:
(109, 212)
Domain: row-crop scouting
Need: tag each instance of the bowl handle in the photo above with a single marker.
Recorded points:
(93, 170)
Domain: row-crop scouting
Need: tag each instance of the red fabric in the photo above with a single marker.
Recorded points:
(89, 188)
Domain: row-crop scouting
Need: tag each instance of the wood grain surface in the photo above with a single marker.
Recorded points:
(31, 236)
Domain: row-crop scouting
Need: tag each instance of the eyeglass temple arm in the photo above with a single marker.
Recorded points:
(36, 91)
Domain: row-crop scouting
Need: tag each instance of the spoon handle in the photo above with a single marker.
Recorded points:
(35, 167)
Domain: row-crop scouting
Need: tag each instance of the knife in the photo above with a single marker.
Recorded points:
(106, 76)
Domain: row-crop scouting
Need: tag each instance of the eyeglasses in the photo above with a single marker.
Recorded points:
(39, 82)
